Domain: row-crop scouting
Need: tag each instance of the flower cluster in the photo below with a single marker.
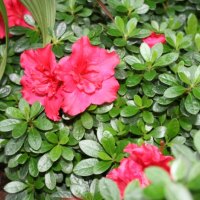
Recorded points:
(16, 12)
(85, 77)
(132, 168)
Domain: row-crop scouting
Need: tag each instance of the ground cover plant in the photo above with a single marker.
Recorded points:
(100, 100)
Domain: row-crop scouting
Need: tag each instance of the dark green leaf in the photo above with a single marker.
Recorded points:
(109, 189)
(15, 186)
(55, 153)
(174, 91)
(34, 139)
(90, 147)
(87, 120)
(44, 163)
(85, 167)
(50, 180)
(43, 124)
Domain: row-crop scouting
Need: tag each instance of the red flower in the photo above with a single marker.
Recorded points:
(133, 167)
(154, 39)
(40, 82)
(88, 76)
(15, 11)
(2, 27)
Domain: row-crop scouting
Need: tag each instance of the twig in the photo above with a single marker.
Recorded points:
(107, 12)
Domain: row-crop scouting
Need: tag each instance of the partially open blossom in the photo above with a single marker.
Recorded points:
(132, 168)
(154, 38)
(40, 81)
(15, 11)
(88, 75)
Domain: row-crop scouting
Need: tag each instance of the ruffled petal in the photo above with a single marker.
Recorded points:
(75, 102)
(107, 93)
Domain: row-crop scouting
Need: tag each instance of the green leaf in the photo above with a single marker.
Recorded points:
(173, 128)
(150, 75)
(78, 130)
(145, 52)
(90, 147)
(36, 108)
(50, 180)
(196, 92)
(60, 29)
(166, 60)
(44, 13)
(120, 24)
(67, 153)
(179, 169)
(133, 80)
(108, 143)
(19, 130)
(192, 105)
(5, 91)
(197, 140)
(129, 111)
(120, 42)
(34, 139)
(85, 167)
(130, 59)
(63, 136)
(177, 192)
(197, 41)
(24, 107)
(133, 189)
(159, 132)
(131, 25)
(192, 24)
(55, 153)
(168, 79)
(174, 91)
(148, 117)
(14, 113)
(43, 124)
(32, 167)
(44, 163)
(157, 175)
(101, 167)
(87, 120)
(52, 137)
(5, 52)
(15, 186)
(8, 124)
(109, 189)
(13, 146)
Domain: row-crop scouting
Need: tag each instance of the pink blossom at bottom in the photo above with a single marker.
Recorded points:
(132, 168)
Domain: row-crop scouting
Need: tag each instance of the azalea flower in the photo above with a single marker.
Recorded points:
(88, 75)
(154, 38)
(132, 168)
(40, 81)
(15, 11)
(2, 27)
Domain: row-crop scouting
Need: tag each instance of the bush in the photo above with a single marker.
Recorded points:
(158, 101)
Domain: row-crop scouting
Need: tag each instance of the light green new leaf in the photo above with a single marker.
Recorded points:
(44, 13)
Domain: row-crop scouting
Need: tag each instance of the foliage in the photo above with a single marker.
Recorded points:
(158, 102)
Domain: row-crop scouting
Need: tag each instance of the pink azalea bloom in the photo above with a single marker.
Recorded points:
(15, 11)
(88, 77)
(40, 81)
(154, 38)
(132, 168)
